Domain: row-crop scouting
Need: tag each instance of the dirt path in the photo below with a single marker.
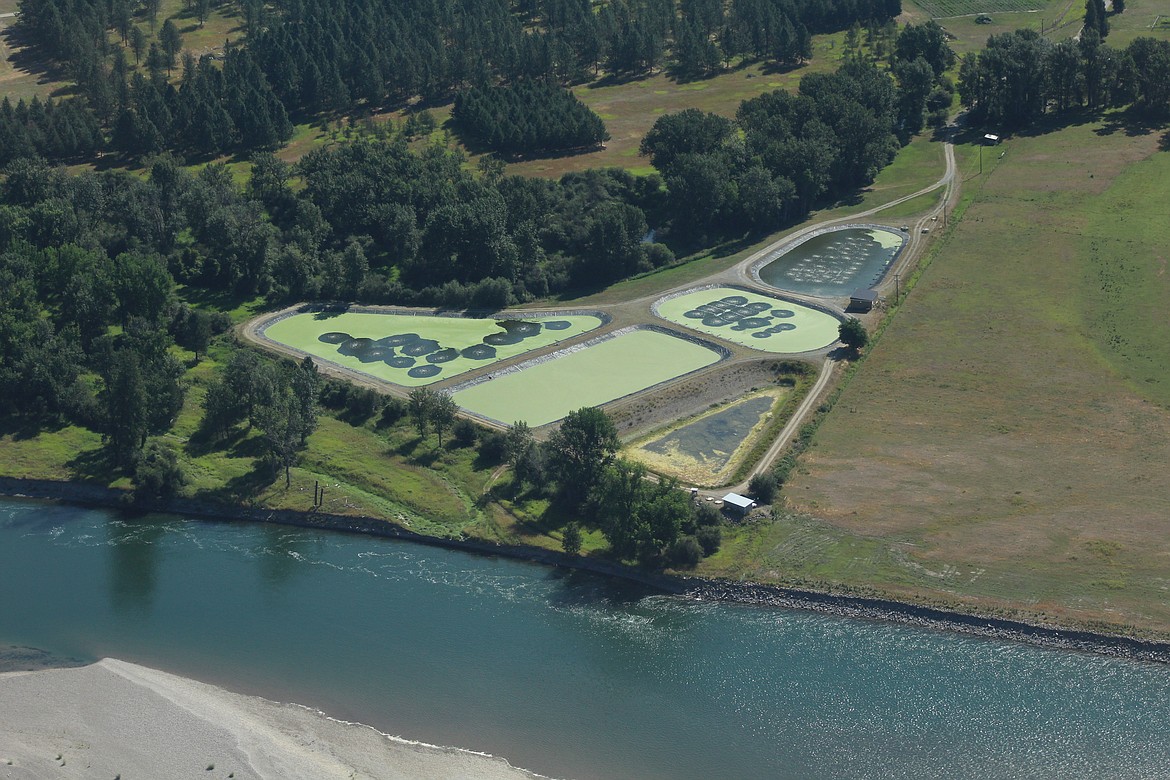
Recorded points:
(907, 259)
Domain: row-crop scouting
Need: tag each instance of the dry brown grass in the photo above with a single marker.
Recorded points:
(990, 450)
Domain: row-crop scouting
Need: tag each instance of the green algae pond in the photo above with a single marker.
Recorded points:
(419, 349)
(588, 375)
(751, 319)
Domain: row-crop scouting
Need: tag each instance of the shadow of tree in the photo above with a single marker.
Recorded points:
(205, 441)
(243, 486)
(21, 427)
(94, 466)
(24, 55)
(1132, 122)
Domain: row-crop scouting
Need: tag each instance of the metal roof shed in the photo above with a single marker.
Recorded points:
(734, 502)
(863, 300)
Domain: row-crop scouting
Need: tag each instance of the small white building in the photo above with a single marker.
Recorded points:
(734, 503)
(991, 140)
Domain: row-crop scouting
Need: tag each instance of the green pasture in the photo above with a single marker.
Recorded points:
(302, 332)
(813, 329)
(945, 8)
(1004, 442)
(590, 376)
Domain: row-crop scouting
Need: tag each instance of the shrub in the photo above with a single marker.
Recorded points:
(335, 394)
(707, 515)
(393, 410)
(362, 403)
(465, 432)
(763, 487)
(493, 445)
(853, 334)
(571, 538)
(156, 472)
(709, 538)
(685, 552)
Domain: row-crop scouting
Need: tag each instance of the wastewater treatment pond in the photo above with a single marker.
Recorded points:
(707, 449)
(833, 264)
(751, 319)
(546, 389)
(418, 349)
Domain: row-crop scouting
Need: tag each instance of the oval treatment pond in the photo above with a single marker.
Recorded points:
(833, 264)
(419, 349)
(751, 319)
(590, 375)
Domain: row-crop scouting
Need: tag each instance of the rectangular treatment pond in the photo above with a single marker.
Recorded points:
(751, 319)
(593, 374)
(419, 349)
(707, 449)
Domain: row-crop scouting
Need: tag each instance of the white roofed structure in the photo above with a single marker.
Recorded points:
(734, 502)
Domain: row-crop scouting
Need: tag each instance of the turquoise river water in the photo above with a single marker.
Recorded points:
(565, 674)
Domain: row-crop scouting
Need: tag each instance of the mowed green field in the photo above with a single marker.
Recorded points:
(588, 376)
(1060, 19)
(303, 333)
(1004, 445)
(811, 329)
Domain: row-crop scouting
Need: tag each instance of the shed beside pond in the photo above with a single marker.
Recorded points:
(734, 503)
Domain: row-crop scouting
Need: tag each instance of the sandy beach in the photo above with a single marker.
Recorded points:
(114, 719)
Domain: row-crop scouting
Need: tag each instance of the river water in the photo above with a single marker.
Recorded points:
(565, 674)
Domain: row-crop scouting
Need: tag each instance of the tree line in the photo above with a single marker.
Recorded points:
(529, 117)
(784, 151)
(1021, 76)
(376, 221)
(653, 523)
(59, 130)
(304, 58)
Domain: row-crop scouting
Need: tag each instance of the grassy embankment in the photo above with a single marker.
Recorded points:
(1003, 446)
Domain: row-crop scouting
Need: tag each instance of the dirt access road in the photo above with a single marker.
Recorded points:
(949, 183)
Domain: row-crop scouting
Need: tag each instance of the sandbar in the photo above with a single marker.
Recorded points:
(117, 719)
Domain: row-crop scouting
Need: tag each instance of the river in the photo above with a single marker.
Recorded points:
(566, 674)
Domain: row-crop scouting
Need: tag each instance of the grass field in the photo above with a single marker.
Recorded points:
(707, 449)
(1059, 19)
(24, 74)
(787, 328)
(1004, 444)
(591, 375)
(945, 8)
(414, 368)
(1150, 18)
(630, 108)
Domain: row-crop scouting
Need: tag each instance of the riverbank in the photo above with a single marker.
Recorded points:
(117, 719)
(748, 593)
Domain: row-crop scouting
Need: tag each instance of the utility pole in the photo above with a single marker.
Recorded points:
(980, 159)
(897, 288)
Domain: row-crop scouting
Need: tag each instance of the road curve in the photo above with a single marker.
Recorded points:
(949, 182)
